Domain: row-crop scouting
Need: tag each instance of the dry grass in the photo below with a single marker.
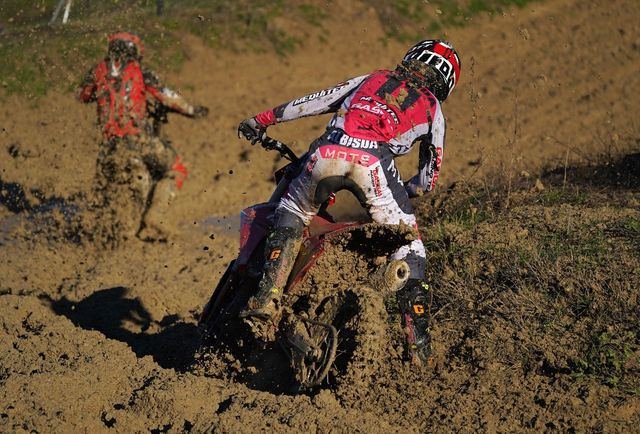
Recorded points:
(544, 282)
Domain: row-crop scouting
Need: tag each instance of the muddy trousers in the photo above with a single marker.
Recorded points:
(134, 188)
(370, 174)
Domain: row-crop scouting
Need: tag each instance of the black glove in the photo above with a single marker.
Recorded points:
(200, 111)
(252, 130)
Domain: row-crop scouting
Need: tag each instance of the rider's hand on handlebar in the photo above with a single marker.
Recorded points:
(200, 111)
(252, 130)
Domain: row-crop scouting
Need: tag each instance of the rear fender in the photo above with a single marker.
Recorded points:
(313, 246)
(256, 222)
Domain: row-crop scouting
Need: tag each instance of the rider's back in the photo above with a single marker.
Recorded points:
(121, 97)
(385, 108)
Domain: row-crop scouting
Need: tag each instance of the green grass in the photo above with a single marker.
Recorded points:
(411, 20)
(604, 358)
(583, 245)
(40, 57)
(556, 269)
(19, 69)
(37, 57)
(470, 212)
(628, 229)
(312, 14)
(553, 196)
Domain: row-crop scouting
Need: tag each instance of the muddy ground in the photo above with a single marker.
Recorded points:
(95, 339)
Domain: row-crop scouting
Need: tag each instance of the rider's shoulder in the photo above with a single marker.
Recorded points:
(101, 65)
(380, 72)
(379, 75)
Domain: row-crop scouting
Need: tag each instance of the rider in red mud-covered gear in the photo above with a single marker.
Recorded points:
(121, 86)
(132, 155)
(376, 118)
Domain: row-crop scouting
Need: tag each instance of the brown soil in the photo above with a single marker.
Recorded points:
(95, 339)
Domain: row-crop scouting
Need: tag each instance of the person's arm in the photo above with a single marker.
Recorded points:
(320, 102)
(430, 158)
(86, 92)
(170, 98)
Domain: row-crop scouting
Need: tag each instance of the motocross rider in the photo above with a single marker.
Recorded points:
(377, 117)
(137, 172)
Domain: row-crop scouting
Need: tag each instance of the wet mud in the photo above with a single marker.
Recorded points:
(531, 239)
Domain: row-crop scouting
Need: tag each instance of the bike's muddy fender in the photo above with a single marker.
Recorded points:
(313, 246)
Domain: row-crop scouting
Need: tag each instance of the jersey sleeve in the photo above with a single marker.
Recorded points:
(320, 102)
(166, 96)
(430, 156)
(86, 92)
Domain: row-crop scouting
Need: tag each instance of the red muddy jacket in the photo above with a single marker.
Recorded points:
(121, 91)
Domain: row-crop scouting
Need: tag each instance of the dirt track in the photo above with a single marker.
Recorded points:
(92, 340)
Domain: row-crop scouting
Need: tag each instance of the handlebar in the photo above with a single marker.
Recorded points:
(267, 142)
(276, 145)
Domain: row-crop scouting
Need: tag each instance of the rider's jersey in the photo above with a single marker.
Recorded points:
(121, 92)
(378, 107)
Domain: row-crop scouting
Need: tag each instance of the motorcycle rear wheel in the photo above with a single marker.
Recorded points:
(313, 342)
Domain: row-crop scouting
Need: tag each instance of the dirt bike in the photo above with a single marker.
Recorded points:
(309, 330)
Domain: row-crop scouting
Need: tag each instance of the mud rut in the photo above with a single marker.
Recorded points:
(344, 269)
(96, 340)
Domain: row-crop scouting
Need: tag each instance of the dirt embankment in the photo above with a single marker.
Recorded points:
(536, 289)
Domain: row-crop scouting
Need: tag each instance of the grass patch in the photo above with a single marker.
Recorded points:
(605, 357)
(312, 14)
(38, 57)
(469, 212)
(628, 229)
(19, 69)
(411, 20)
(554, 196)
(583, 246)
(545, 281)
(32, 49)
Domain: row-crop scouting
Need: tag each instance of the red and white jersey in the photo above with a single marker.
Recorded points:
(379, 107)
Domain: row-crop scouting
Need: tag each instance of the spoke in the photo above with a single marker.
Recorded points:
(330, 342)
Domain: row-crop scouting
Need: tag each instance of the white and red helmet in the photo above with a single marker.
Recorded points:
(441, 55)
